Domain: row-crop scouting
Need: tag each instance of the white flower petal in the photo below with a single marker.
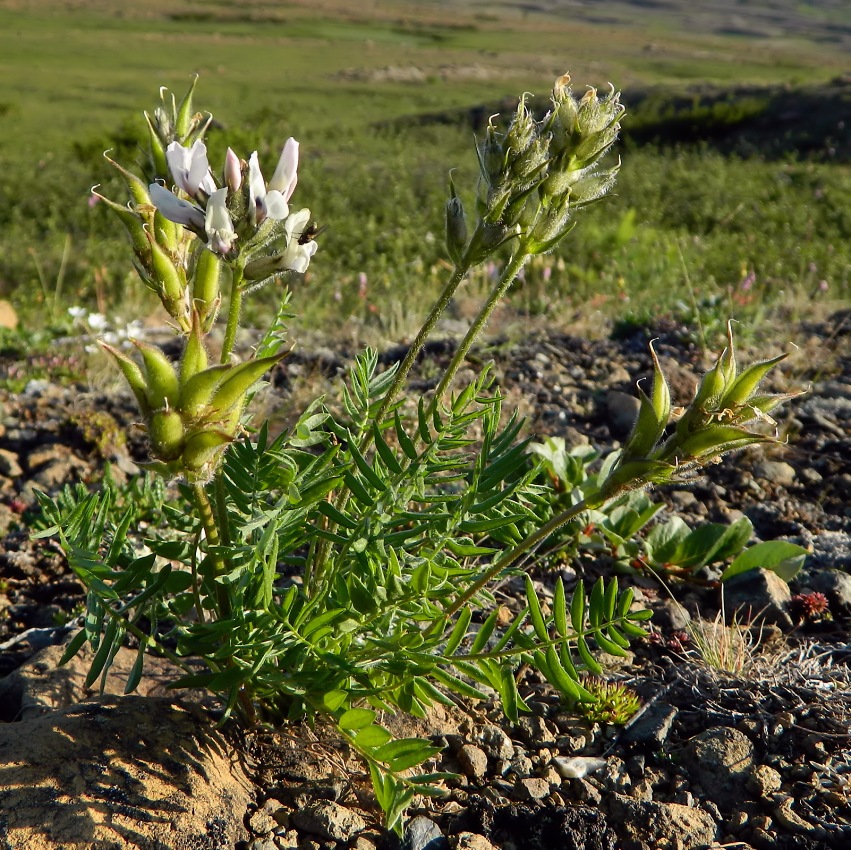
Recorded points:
(218, 224)
(175, 209)
(296, 223)
(275, 205)
(285, 178)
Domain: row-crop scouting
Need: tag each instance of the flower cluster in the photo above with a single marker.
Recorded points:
(538, 172)
(186, 227)
(245, 216)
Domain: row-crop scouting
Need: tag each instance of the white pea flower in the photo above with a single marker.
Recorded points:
(297, 255)
(218, 224)
(176, 209)
(271, 201)
(190, 168)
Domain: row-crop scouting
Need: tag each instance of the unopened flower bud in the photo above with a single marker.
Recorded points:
(491, 157)
(456, 226)
(521, 133)
(233, 171)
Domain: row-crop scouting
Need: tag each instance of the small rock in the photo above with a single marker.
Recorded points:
(669, 614)
(421, 833)
(328, 819)
(775, 471)
(578, 766)
(366, 842)
(661, 825)
(263, 844)
(585, 792)
(9, 465)
(759, 596)
(8, 315)
(267, 818)
(473, 761)
(721, 760)
(764, 781)
(470, 841)
(521, 764)
(495, 742)
(287, 841)
(535, 731)
(531, 788)
(623, 411)
(651, 730)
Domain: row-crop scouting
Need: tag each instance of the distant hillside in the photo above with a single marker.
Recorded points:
(769, 121)
(814, 20)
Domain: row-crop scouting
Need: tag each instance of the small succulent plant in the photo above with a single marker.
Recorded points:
(614, 703)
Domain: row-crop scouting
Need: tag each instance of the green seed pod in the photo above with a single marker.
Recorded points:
(162, 384)
(232, 391)
(712, 442)
(202, 448)
(157, 151)
(196, 393)
(194, 358)
(133, 375)
(135, 227)
(138, 188)
(661, 394)
(456, 226)
(170, 278)
(167, 433)
(167, 233)
(183, 124)
(745, 385)
(645, 432)
(206, 283)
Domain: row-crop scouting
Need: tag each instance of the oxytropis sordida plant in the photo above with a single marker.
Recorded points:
(344, 568)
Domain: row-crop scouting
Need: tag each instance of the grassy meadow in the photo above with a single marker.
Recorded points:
(380, 99)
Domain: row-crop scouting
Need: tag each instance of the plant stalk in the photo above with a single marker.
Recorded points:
(211, 529)
(234, 309)
(510, 272)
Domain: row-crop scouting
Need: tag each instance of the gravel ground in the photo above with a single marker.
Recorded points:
(760, 760)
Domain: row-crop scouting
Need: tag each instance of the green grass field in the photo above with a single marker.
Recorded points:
(761, 239)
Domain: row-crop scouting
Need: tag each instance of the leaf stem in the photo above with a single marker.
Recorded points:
(518, 551)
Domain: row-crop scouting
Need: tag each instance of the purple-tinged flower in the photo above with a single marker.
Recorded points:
(218, 224)
(190, 168)
(271, 201)
(176, 209)
(233, 171)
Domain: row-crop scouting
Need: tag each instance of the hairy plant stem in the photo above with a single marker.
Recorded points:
(234, 309)
(510, 272)
(211, 529)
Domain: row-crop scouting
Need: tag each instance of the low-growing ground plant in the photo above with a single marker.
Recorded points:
(336, 570)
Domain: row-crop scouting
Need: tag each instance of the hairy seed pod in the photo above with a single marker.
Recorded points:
(166, 431)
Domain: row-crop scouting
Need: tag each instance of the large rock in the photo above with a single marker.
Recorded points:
(660, 826)
(721, 759)
(120, 772)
